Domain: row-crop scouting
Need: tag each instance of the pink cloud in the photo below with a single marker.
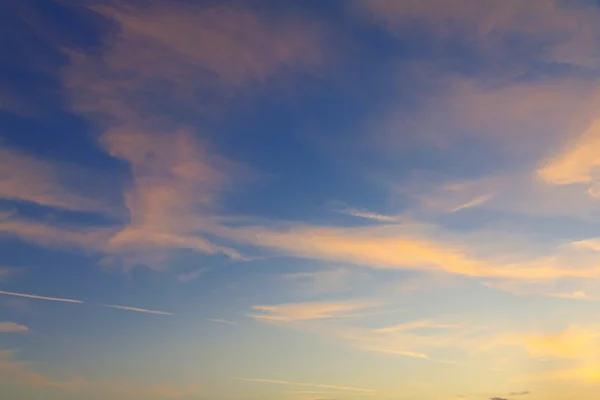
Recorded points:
(484, 23)
(26, 178)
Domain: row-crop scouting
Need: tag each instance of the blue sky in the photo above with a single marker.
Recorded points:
(299, 200)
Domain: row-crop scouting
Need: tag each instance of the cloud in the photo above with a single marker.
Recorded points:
(183, 41)
(379, 247)
(222, 321)
(485, 25)
(176, 178)
(409, 326)
(288, 383)
(27, 178)
(578, 163)
(518, 194)
(574, 342)
(12, 327)
(291, 312)
(577, 346)
(30, 296)
(172, 193)
(190, 276)
(370, 215)
(418, 339)
(175, 182)
(61, 237)
(412, 247)
(141, 310)
(542, 289)
(477, 201)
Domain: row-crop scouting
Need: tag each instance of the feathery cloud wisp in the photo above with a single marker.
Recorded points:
(291, 312)
(190, 276)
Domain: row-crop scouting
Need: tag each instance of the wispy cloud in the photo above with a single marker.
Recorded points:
(316, 385)
(291, 312)
(370, 215)
(12, 327)
(31, 179)
(477, 201)
(141, 310)
(575, 164)
(31, 296)
(492, 20)
(222, 321)
(173, 192)
(539, 289)
(413, 325)
(190, 276)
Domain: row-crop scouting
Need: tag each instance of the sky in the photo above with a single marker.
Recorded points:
(300, 200)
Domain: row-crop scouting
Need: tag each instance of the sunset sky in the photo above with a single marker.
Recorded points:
(300, 200)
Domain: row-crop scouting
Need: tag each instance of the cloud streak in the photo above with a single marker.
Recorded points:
(315, 385)
(141, 310)
(31, 296)
(291, 312)
(58, 299)
(222, 321)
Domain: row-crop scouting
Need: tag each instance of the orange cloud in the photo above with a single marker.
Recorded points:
(413, 325)
(309, 311)
(380, 247)
(407, 247)
(577, 164)
(574, 342)
(578, 344)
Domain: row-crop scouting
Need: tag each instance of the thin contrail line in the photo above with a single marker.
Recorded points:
(31, 296)
(142, 310)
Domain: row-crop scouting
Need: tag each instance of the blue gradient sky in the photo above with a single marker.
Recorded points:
(244, 200)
